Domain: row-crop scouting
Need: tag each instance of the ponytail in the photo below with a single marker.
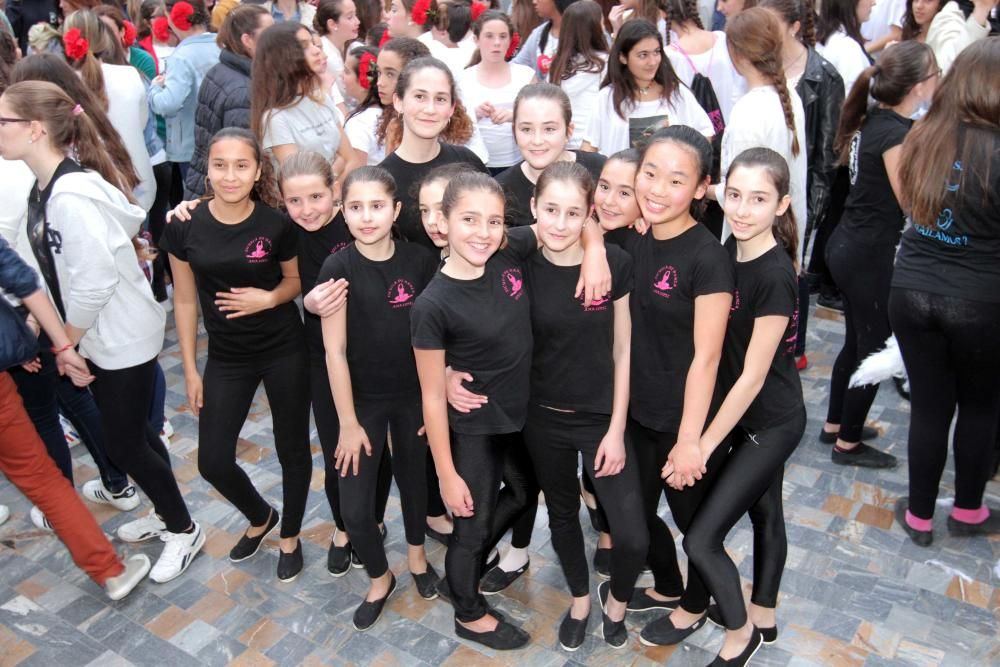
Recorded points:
(87, 42)
(785, 228)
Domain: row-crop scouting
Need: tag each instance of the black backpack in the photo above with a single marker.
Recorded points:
(704, 92)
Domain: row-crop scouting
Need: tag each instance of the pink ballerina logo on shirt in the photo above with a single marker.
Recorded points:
(665, 281)
(736, 303)
(596, 305)
(337, 248)
(512, 283)
(401, 293)
(258, 250)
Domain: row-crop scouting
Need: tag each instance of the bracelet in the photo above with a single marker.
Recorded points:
(59, 350)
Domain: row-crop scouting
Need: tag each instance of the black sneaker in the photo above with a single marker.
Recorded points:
(290, 565)
(338, 559)
(572, 632)
(615, 633)
(368, 613)
(248, 546)
(756, 639)
(863, 456)
(427, 582)
(497, 579)
(867, 433)
(602, 563)
(662, 631)
(505, 637)
(921, 538)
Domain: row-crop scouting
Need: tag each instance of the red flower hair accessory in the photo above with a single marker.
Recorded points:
(128, 39)
(422, 12)
(161, 29)
(384, 38)
(180, 15)
(478, 8)
(75, 44)
(367, 71)
(544, 63)
(515, 41)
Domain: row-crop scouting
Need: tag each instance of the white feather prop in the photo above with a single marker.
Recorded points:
(880, 366)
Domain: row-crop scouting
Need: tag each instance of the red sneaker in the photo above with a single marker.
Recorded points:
(801, 362)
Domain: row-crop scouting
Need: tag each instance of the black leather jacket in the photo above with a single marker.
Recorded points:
(822, 93)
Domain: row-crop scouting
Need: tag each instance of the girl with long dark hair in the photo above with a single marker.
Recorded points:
(839, 40)
(581, 62)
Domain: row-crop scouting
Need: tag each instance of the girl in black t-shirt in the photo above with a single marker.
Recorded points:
(763, 398)
(236, 258)
(861, 250)
(430, 195)
(579, 400)
(683, 290)
(543, 126)
(374, 381)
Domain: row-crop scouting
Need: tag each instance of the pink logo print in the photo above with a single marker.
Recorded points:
(793, 332)
(512, 282)
(597, 305)
(736, 303)
(258, 249)
(337, 248)
(665, 281)
(401, 293)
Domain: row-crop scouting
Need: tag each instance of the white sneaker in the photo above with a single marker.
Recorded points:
(136, 569)
(178, 552)
(72, 437)
(4, 513)
(168, 430)
(125, 500)
(39, 519)
(142, 529)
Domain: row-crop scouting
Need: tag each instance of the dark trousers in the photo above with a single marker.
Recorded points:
(749, 481)
(863, 272)
(556, 440)
(951, 348)
(651, 450)
(229, 388)
(483, 461)
(401, 418)
(123, 397)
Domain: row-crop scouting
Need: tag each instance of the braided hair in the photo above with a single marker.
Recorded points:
(681, 12)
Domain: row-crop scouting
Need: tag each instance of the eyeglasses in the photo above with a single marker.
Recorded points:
(4, 121)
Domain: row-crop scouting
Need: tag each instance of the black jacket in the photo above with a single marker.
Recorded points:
(822, 93)
(223, 101)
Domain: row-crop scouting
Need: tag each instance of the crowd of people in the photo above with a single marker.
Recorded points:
(562, 247)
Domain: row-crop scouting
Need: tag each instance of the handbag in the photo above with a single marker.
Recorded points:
(18, 343)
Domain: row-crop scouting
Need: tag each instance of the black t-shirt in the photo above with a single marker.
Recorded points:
(247, 254)
(959, 255)
(379, 304)
(669, 276)
(314, 249)
(573, 363)
(871, 213)
(764, 286)
(519, 190)
(408, 175)
(484, 327)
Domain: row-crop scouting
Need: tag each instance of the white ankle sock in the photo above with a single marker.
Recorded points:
(513, 560)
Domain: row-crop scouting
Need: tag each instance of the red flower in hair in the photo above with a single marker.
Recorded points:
(544, 62)
(180, 15)
(384, 38)
(367, 71)
(515, 41)
(128, 39)
(478, 8)
(161, 29)
(75, 44)
(422, 11)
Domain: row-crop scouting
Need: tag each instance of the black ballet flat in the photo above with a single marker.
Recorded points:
(368, 613)
(505, 637)
(437, 536)
(498, 579)
(615, 633)
(248, 546)
(769, 635)
(922, 538)
(602, 563)
(572, 632)
(427, 583)
(867, 433)
(743, 658)
(290, 565)
(338, 559)
(662, 632)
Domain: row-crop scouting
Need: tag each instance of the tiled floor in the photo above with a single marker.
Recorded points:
(855, 591)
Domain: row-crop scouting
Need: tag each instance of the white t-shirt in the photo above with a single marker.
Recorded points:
(884, 14)
(310, 125)
(716, 64)
(609, 133)
(360, 131)
(335, 65)
(582, 89)
(128, 110)
(499, 139)
(759, 122)
(457, 59)
(847, 56)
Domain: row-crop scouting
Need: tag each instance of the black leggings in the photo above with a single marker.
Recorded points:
(123, 397)
(401, 418)
(483, 461)
(555, 441)
(524, 524)
(651, 451)
(328, 429)
(863, 273)
(951, 348)
(749, 481)
(229, 388)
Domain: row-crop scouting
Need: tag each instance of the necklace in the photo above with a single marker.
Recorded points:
(645, 91)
